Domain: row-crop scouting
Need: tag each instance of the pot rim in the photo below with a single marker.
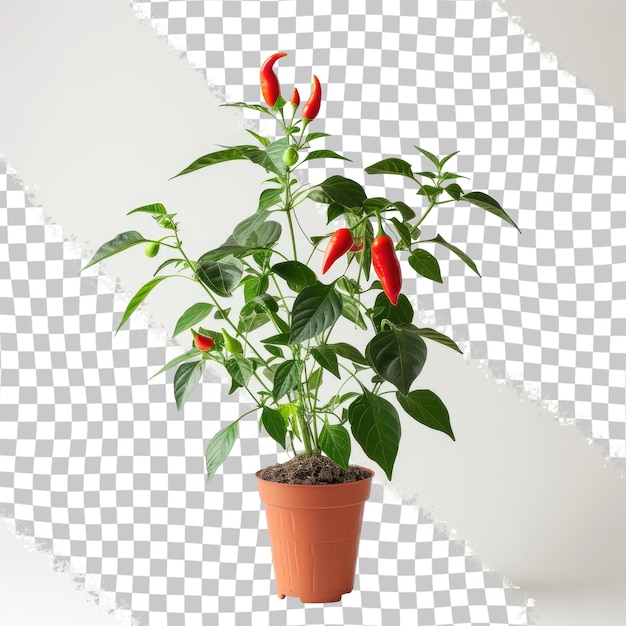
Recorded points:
(352, 482)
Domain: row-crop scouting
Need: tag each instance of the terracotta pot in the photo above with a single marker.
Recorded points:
(314, 534)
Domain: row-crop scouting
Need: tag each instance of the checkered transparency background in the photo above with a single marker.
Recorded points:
(102, 470)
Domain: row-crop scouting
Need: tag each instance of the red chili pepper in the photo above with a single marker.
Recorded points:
(203, 342)
(270, 87)
(340, 242)
(312, 106)
(387, 267)
(295, 97)
(356, 247)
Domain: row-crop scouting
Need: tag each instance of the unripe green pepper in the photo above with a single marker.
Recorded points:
(151, 249)
(290, 156)
(231, 344)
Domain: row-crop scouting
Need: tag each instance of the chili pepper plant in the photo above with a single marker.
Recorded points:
(280, 345)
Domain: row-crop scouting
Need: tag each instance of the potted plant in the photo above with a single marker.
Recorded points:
(279, 341)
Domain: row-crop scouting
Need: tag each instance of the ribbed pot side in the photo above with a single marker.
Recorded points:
(314, 535)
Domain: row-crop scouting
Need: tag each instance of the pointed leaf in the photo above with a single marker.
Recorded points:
(181, 358)
(117, 244)
(240, 370)
(440, 240)
(275, 424)
(295, 273)
(351, 310)
(335, 444)
(139, 297)
(391, 166)
(344, 191)
(286, 378)
(312, 136)
(376, 426)
(324, 154)
(221, 276)
(192, 316)
(398, 355)
(447, 158)
(314, 310)
(221, 156)
(154, 209)
(187, 376)
(430, 156)
(427, 408)
(327, 358)
(402, 313)
(426, 264)
(317, 195)
(435, 335)
(488, 203)
(347, 351)
(454, 190)
(269, 198)
(275, 152)
(264, 141)
(219, 448)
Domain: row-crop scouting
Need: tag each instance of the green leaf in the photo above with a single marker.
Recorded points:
(440, 240)
(222, 276)
(426, 264)
(245, 105)
(262, 158)
(335, 443)
(181, 358)
(449, 175)
(488, 203)
(314, 310)
(267, 234)
(120, 242)
(275, 351)
(315, 379)
(400, 314)
(454, 190)
(376, 426)
(250, 322)
(219, 448)
(391, 166)
(435, 335)
(317, 195)
(275, 152)
(430, 156)
(275, 424)
(406, 211)
(334, 211)
(154, 209)
(312, 136)
(286, 378)
(324, 154)
(430, 175)
(351, 310)
(347, 351)
(279, 340)
(221, 156)
(264, 141)
(295, 273)
(254, 286)
(138, 298)
(269, 198)
(246, 228)
(240, 370)
(169, 262)
(398, 355)
(344, 191)
(187, 376)
(431, 191)
(427, 408)
(403, 230)
(327, 358)
(447, 158)
(192, 316)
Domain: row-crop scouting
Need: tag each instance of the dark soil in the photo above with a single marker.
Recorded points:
(314, 470)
